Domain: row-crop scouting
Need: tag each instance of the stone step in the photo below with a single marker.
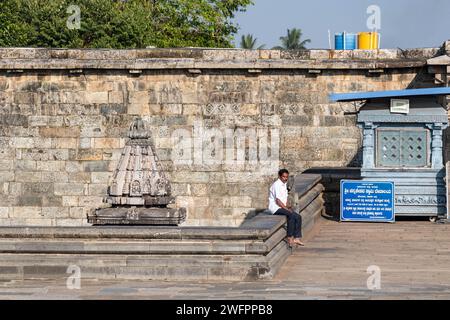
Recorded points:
(153, 246)
(309, 212)
(175, 267)
(306, 199)
(309, 223)
(254, 250)
(260, 227)
(304, 182)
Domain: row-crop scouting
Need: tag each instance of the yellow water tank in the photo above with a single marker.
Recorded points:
(368, 40)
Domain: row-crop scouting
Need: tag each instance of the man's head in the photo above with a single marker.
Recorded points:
(283, 174)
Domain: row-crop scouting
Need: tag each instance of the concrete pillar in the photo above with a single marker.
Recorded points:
(437, 145)
(368, 145)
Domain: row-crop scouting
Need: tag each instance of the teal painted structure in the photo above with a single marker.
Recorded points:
(406, 149)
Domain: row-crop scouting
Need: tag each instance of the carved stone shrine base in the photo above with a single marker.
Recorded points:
(141, 201)
(138, 216)
(139, 192)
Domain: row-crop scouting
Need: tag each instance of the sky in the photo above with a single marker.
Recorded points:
(403, 23)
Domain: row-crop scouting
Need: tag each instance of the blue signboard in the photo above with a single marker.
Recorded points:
(370, 201)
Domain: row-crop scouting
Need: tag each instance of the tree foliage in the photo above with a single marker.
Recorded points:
(293, 40)
(249, 42)
(119, 23)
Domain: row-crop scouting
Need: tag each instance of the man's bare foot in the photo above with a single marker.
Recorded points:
(299, 242)
(290, 241)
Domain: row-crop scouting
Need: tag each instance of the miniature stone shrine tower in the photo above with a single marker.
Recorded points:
(139, 192)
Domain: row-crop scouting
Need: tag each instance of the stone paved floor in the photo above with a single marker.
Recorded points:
(413, 258)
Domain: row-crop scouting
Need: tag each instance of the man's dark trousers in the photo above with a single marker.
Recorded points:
(294, 222)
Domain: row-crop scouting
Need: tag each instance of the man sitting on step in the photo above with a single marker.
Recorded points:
(278, 195)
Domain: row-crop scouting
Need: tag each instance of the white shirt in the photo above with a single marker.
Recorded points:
(278, 190)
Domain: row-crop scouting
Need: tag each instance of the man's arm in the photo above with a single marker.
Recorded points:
(282, 205)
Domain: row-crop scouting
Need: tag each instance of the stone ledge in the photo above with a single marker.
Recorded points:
(260, 227)
(202, 58)
(213, 54)
(139, 246)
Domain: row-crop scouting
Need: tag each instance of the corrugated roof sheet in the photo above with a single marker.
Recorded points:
(389, 94)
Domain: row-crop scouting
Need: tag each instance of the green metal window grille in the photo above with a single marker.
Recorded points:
(402, 148)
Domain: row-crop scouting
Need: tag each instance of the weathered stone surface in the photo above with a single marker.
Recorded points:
(13, 120)
(64, 143)
(26, 212)
(85, 154)
(45, 154)
(69, 189)
(25, 165)
(95, 166)
(105, 143)
(69, 132)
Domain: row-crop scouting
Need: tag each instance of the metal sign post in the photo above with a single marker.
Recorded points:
(447, 171)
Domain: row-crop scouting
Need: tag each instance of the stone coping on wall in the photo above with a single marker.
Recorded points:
(195, 59)
(258, 228)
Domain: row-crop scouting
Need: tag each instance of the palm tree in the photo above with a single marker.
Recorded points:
(248, 42)
(293, 40)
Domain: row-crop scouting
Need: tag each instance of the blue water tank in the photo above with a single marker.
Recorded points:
(345, 41)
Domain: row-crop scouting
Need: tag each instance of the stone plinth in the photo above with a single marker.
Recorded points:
(255, 250)
(139, 215)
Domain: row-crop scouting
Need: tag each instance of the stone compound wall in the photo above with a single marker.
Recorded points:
(64, 117)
